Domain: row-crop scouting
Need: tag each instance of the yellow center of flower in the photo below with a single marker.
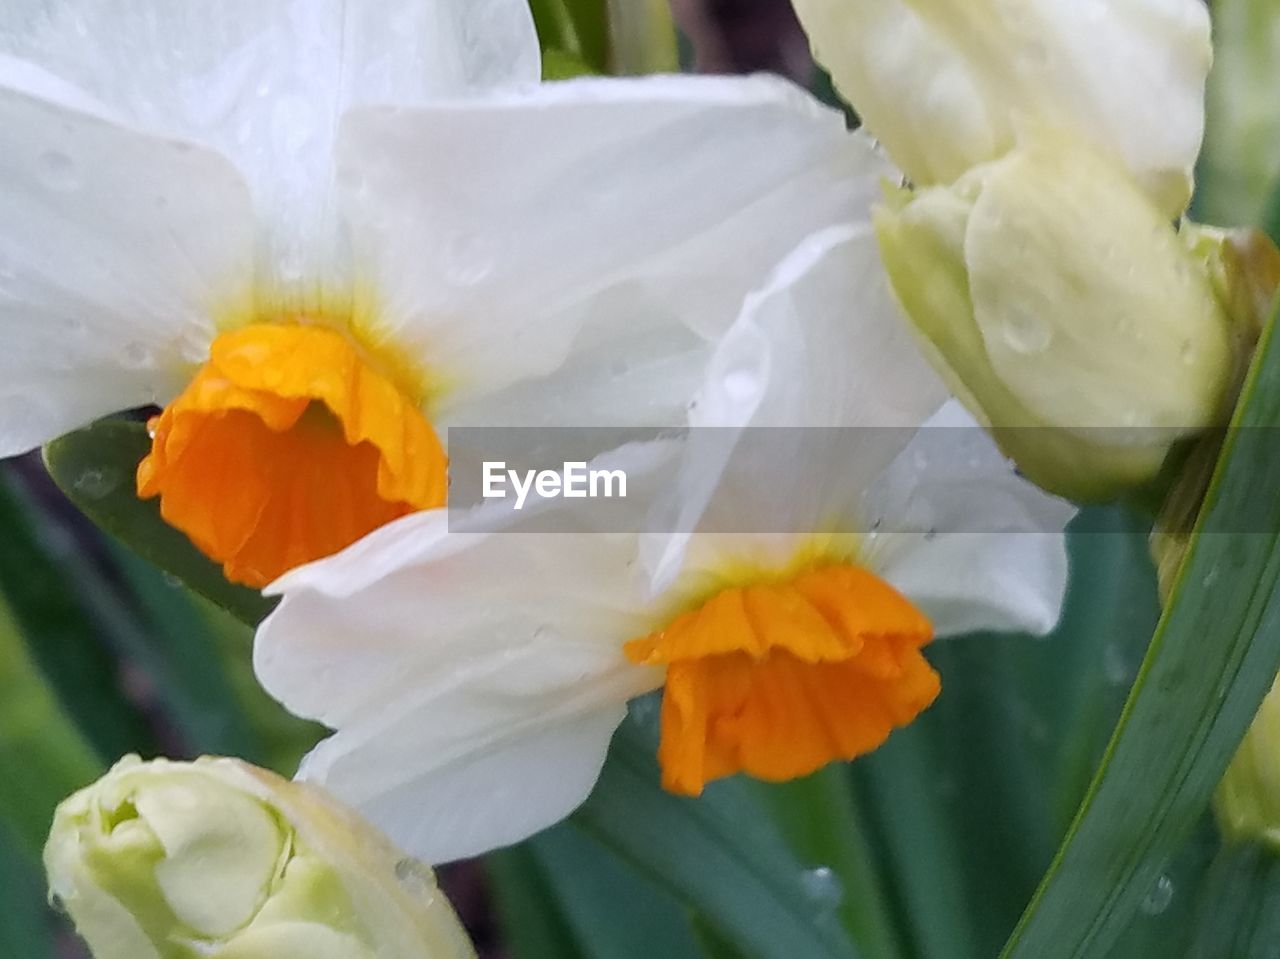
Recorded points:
(286, 447)
(777, 679)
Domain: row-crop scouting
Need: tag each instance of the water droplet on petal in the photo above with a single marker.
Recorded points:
(469, 259)
(58, 171)
(1034, 52)
(1027, 333)
(1159, 897)
(137, 355)
(741, 385)
(415, 878)
(294, 123)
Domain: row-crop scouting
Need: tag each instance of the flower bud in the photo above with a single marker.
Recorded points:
(947, 85)
(216, 858)
(1248, 800)
(1066, 311)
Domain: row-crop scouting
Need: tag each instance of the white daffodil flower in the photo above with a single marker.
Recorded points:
(946, 85)
(780, 594)
(293, 225)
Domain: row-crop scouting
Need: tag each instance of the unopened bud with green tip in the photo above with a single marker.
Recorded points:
(1066, 311)
(1247, 803)
(219, 859)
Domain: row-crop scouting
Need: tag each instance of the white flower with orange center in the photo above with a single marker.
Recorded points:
(298, 227)
(788, 578)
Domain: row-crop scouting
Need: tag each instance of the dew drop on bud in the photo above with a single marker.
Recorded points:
(1027, 333)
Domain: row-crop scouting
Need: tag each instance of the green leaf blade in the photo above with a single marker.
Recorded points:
(95, 467)
(720, 855)
(1213, 658)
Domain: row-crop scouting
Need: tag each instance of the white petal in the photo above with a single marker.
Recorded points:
(198, 69)
(492, 796)
(501, 235)
(912, 89)
(265, 81)
(808, 398)
(974, 545)
(1128, 75)
(116, 251)
(474, 679)
(413, 603)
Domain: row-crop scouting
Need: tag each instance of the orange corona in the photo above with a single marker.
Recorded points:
(779, 678)
(287, 446)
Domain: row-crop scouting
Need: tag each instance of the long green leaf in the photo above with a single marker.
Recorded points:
(720, 855)
(908, 794)
(1239, 914)
(614, 912)
(42, 756)
(577, 27)
(26, 925)
(1211, 661)
(529, 914)
(821, 818)
(43, 579)
(95, 467)
(963, 806)
(180, 653)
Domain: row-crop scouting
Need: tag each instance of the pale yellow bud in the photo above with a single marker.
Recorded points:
(1066, 311)
(219, 859)
(947, 85)
(1248, 800)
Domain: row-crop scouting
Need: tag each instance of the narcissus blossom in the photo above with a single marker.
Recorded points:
(294, 226)
(780, 594)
